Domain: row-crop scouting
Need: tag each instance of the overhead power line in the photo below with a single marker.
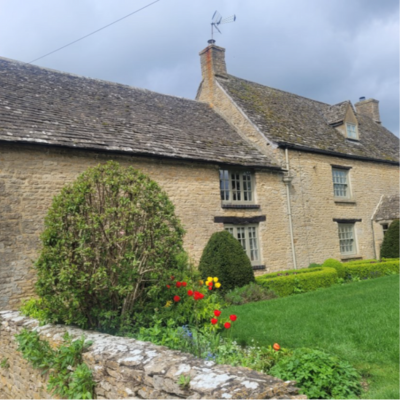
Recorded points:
(92, 33)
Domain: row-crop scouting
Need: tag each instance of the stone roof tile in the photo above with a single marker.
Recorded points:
(43, 106)
(286, 118)
(389, 209)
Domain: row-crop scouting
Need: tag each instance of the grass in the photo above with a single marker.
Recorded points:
(358, 322)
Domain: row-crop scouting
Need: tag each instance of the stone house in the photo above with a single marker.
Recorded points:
(338, 159)
(295, 180)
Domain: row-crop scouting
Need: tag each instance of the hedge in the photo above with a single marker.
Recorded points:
(371, 269)
(298, 281)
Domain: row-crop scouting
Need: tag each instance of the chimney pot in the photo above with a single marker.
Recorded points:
(362, 98)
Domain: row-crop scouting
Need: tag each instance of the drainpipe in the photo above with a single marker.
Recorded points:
(372, 225)
(287, 179)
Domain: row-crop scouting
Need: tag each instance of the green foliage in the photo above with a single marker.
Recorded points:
(34, 308)
(184, 381)
(69, 377)
(368, 270)
(109, 239)
(332, 263)
(249, 293)
(390, 244)
(314, 265)
(319, 375)
(225, 258)
(300, 281)
(4, 363)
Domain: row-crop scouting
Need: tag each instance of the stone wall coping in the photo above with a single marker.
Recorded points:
(125, 367)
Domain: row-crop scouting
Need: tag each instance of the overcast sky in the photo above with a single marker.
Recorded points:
(327, 50)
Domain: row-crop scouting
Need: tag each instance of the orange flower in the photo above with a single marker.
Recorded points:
(276, 347)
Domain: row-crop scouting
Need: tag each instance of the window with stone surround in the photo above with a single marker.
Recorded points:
(248, 238)
(347, 239)
(351, 131)
(236, 187)
(341, 187)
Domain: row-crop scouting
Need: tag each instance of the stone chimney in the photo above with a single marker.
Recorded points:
(212, 60)
(369, 108)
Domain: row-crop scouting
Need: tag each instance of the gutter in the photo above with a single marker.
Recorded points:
(333, 153)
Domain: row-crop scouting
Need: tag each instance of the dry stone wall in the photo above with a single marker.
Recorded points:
(128, 368)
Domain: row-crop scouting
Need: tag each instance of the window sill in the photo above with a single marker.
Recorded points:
(351, 257)
(345, 201)
(241, 206)
(258, 267)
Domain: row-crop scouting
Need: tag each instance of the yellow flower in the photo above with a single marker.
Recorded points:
(217, 285)
(209, 278)
(168, 304)
(215, 279)
(201, 282)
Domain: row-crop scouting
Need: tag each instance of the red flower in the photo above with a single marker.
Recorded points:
(168, 287)
(209, 283)
(178, 284)
(233, 318)
(190, 292)
(227, 325)
(196, 295)
(276, 347)
(176, 298)
(184, 284)
(217, 313)
(210, 288)
(214, 321)
(172, 278)
(201, 296)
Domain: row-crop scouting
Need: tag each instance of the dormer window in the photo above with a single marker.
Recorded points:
(351, 130)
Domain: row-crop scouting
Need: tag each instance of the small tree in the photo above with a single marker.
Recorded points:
(225, 258)
(108, 237)
(390, 244)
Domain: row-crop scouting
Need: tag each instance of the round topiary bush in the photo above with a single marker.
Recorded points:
(109, 238)
(390, 244)
(332, 263)
(225, 258)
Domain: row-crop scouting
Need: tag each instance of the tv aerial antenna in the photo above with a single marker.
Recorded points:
(217, 20)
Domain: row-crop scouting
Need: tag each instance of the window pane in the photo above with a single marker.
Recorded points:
(339, 177)
(236, 192)
(247, 186)
(346, 238)
(241, 236)
(224, 184)
(351, 131)
(253, 244)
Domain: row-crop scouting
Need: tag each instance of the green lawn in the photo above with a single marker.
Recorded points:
(359, 322)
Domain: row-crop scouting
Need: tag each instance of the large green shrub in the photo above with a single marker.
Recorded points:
(286, 283)
(332, 263)
(390, 244)
(225, 258)
(109, 238)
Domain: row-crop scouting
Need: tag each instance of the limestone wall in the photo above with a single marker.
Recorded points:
(30, 176)
(128, 368)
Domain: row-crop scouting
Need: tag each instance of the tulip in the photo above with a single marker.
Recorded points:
(217, 285)
(178, 284)
(184, 284)
(190, 292)
(233, 318)
(176, 298)
(210, 283)
(227, 325)
(214, 321)
(215, 280)
(276, 347)
(168, 286)
(217, 313)
(209, 278)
